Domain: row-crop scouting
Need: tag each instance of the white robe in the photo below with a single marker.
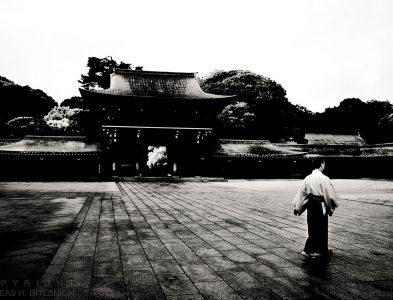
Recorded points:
(316, 184)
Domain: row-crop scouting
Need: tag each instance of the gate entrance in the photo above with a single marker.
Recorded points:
(155, 151)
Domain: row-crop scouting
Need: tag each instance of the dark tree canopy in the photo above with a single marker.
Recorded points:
(249, 86)
(353, 116)
(73, 102)
(275, 117)
(374, 131)
(4, 80)
(385, 129)
(17, 101)
(236, 120)
(27, 125)
(99, 71)
(347, 117)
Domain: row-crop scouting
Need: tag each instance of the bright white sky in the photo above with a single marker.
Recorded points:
(320, 51)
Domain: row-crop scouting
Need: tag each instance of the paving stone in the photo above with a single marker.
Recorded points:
(75, 280)
(210, 237)
(222, 245)
(167, 266)
(82, 252)
(152, 243)
(206, 251)
(331, 291)
(177, 247)
(130, 249)
(62, 254)
(107, 288)
(259, 294)
(177, 284)
(134, 261)
(107, 255)
(266, 244)
(145, 233)
(252, 249)
(274, 261)
(259, 270)
(236, 240)
(112, 269)
(220, 264)
(186, 297)
(111, 246)
(139, 277)
(147, 293)
(190, 242)
(217, 290)
(158, 253)
(169, 238)
(240, 280)
(200, 273)
(79, 263)
(187, 258)
(50, 278)
(237, 256)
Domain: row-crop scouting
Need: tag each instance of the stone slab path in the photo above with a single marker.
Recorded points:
(234, 240)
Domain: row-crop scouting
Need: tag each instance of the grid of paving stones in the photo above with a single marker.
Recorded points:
(221, 241)
(35, 219)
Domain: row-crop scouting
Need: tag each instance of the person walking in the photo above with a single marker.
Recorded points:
(316, 195)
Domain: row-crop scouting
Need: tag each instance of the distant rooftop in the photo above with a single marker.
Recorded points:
(380, 150)
(333, 139)
(56, 145)
(253, 149)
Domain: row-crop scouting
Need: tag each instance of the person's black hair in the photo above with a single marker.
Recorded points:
(317, 162)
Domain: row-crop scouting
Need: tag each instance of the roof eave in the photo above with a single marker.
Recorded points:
(180, 97)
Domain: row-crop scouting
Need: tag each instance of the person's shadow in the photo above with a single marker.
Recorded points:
(319, 270)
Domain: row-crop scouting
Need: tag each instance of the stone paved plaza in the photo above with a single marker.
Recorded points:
(190, 240)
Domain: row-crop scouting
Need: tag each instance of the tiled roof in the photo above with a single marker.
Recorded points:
(8, 141)
(50, 145)
(343, 150)
(377, 151)
(253, 149)
(155, 84)
(333, 139)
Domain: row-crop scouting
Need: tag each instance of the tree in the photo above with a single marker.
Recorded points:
(385, 129)
(353, 116)
(4, 80)
(157, 156)
(66, 120)
(373, 130)
(86, 123)
(99, 71)
(74, 102)
(60, 119)
(27, 125)
(236, 120)
(17, 101)
(346, 118)
(246, 84)
(275, 117)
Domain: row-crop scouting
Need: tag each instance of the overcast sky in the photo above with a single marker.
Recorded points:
(320, 51)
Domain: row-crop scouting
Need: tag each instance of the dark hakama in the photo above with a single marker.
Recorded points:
(317, 223)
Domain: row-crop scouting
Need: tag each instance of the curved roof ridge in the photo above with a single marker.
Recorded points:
(139, 72)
